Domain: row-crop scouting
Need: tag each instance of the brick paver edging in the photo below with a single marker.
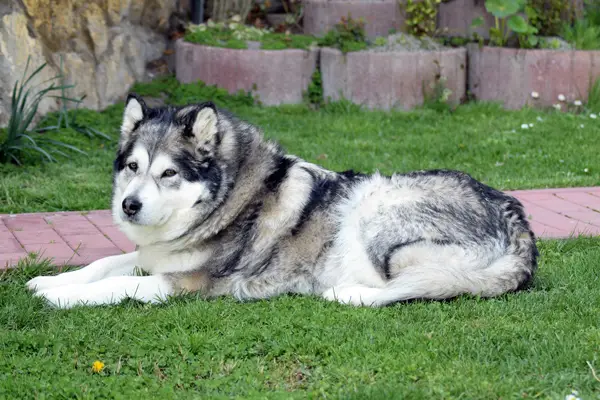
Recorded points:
(75, 238)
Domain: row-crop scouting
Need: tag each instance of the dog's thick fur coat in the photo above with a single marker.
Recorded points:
(215, 208)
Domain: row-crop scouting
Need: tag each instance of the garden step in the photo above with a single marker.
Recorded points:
(78, 238)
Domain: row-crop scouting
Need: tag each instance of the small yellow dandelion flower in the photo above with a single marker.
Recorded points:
(97, 366)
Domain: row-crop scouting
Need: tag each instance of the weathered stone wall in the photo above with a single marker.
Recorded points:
(104, 44)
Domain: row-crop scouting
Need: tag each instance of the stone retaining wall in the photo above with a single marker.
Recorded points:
(511, 75)
(391, 79)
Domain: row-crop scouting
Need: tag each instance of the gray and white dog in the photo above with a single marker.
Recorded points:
(216, 209)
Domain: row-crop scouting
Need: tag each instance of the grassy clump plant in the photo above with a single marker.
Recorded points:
(20, 137)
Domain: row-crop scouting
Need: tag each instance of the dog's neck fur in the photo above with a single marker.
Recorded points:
(249, 159)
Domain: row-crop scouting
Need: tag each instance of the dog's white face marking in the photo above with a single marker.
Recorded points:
(160, 189)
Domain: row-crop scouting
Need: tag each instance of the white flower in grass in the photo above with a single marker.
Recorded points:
(535, 95)
(561, 97)
(582, 126)
(577, 103)
(573, 396)
(539, 119)
(593, 116)
(586, 170)
(524, 126)
(557, 106)
(531, 125)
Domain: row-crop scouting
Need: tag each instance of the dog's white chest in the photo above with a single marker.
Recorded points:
(160, 261)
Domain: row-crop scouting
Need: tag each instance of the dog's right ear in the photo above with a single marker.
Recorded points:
(135, 111)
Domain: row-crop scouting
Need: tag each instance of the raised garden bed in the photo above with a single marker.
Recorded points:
(276, 68)
(518, 77)
(389, 77)
(380, 16)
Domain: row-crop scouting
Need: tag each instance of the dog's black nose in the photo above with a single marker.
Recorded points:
(131, 205)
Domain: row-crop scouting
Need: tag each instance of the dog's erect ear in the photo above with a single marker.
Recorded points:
(135, 111)
(201, 126)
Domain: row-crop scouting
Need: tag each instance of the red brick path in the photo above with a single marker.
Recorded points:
(78, 238)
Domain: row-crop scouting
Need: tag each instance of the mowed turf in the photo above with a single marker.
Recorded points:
(559, 150)
(533, 344)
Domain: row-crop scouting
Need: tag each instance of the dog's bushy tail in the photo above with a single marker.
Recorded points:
(513, 270)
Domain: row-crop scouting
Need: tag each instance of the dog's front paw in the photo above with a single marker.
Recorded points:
(44, 282)
(57, 297)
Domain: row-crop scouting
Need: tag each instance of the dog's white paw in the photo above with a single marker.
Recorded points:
(57, 297)
(352, 295)
(45, 282)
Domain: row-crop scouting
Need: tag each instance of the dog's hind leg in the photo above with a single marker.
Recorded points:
(119, 265)
(439, 281)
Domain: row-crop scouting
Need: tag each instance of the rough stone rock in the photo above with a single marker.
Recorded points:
(15, 47)
(104, 45)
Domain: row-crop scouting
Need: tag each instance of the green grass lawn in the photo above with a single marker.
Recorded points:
(482, 140)
(533, 344)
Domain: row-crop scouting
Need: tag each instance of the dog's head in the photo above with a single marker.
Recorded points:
(167, 172)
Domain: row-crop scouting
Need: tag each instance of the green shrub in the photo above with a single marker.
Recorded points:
(582, 35)
(593, 100)
(314, 94)
(592, 12)
(508, 21)
(347, 35)
(548, 16)
(421, 16)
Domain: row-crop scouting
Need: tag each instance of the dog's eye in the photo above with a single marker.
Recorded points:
(168, 173)
(133, 166)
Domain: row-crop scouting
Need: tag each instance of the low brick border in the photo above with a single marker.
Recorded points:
(73, 238)
(510, 76)
(279, 76)
(391, 79)
(380, 15)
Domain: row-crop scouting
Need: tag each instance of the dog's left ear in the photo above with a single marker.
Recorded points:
(201, 126)
(135, 111)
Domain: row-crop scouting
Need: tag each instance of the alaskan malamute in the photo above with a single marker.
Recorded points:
(215, 208)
